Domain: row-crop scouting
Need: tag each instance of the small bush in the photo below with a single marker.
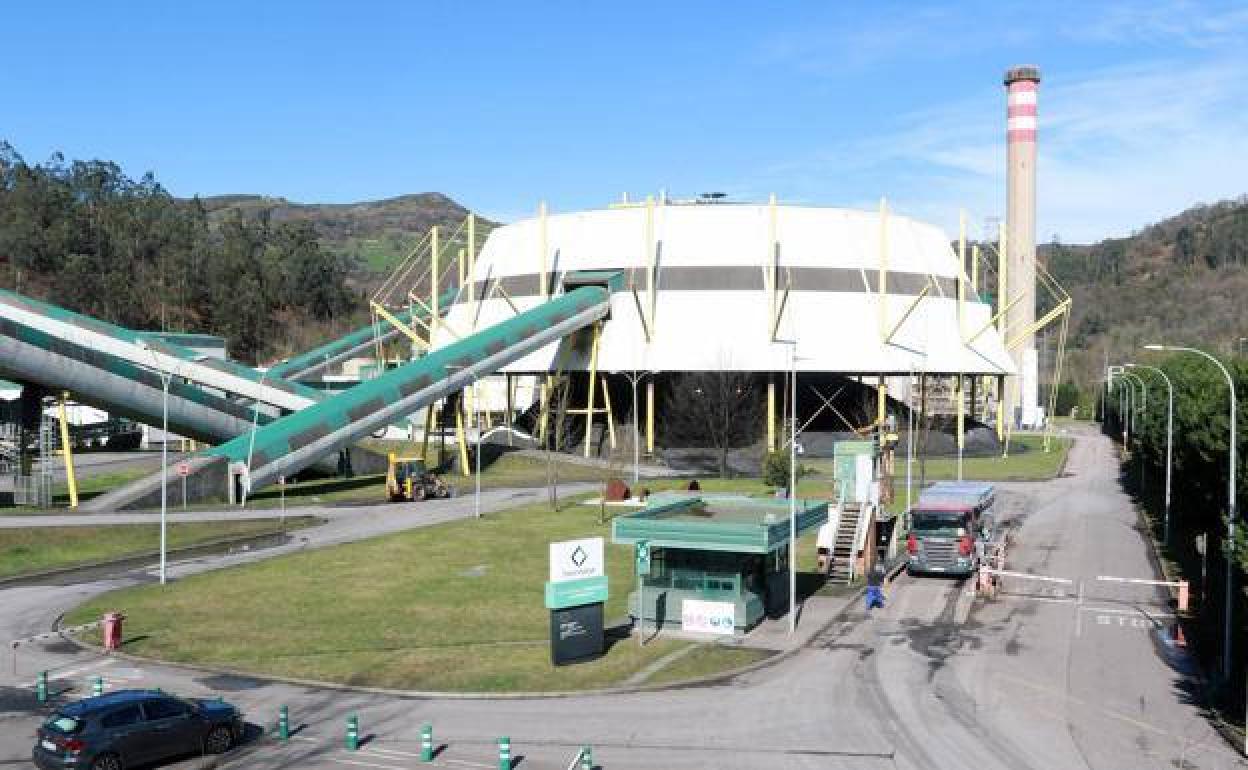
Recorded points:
(776, 469)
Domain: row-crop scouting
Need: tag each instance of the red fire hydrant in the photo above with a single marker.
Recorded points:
(112, 630)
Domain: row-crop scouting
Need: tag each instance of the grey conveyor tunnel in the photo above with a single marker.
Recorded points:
(122, 372)
(286, 445)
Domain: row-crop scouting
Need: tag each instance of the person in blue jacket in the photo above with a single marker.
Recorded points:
(875, 587)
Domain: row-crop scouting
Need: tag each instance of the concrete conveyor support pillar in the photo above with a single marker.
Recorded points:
(511, 403)
(650, 417)
(67, 451)
(771, 414)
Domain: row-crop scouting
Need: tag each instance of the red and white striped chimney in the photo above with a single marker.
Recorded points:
(1022, 85)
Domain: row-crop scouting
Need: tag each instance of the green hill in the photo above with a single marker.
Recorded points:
(1181, 281)
(376, 234)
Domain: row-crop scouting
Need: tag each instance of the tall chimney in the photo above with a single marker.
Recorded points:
(1021, 86)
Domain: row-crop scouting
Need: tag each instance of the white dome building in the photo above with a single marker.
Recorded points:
(724, 286)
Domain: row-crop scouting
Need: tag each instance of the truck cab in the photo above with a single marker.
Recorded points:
(948, 527)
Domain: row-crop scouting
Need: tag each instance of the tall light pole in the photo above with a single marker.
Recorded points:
(476, 403)
(1230, 504)
(634, 378)
(1140, 409)
(166, 378)
(793, 487)
(1169, 441)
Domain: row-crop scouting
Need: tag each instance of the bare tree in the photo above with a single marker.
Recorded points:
(717, 409)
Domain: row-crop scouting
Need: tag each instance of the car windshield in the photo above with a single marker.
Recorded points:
(63, 724)
(931, 520)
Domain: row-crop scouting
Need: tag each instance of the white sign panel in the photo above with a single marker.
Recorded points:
(707, 617)
(576, 559)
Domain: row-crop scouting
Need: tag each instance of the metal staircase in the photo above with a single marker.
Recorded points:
(845, 546)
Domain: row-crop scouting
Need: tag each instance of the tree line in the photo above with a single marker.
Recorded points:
(85, 235)
(1200, 474)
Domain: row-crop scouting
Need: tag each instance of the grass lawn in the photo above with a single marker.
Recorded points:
(1027, 461)
(34, 549)
(509, 470)
(705, 660)
(456, 606)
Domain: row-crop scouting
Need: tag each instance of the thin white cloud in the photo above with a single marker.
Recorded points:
(1119, 148)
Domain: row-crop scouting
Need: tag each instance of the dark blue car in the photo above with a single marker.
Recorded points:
(128, 728)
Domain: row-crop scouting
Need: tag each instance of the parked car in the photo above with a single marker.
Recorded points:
(128, 728)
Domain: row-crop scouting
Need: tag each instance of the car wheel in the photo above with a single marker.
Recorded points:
(106, 762)
(218, 741)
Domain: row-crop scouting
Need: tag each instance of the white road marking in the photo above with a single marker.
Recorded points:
(468, 764)
(363, 764)
(380, 750)
(1114, 611)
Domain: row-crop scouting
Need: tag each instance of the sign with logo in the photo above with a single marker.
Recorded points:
(707, 617)
(576, 559)
(184, 469)
(576, 634)
(643, 558)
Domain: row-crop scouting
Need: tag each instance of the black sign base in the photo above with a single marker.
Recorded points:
(576, 634)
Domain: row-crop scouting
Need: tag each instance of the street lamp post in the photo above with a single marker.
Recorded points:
(1169, 441)
(1230, 504)
(793, 487)
(1141, 408)
(476, 402)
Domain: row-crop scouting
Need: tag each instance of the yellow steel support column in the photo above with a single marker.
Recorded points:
(472, 255)
(1002, 268)
(961, 269)
(650, 416)
(542, 288)
(883, 280)
(68, 452)
(461, 437)
(771, 414)
(424, 441)
(1000, 407)
(511, 403)
(433, 285)
(461, 266)
(593, 380)
(881, 400)
(606, 402)
(649, 263)
(771, 264)
(975, 270)
(543, 411)
(960, 394)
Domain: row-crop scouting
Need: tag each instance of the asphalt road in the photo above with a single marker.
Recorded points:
(1051, 675)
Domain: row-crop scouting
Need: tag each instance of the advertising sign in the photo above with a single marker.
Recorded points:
(707, 617)
(576, 633)
(576, 559)
(643, 558)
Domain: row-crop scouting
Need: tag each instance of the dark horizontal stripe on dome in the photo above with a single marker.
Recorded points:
(741, 278)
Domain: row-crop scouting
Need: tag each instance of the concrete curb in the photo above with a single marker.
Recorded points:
(712, 679)
(262, 539)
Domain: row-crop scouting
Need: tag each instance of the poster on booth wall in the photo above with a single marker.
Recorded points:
(708, 617)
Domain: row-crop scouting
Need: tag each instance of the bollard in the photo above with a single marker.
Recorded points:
(41, 687)
(97, 686)
(283, 723)
(587, 758)
(353, 733)
(504, 753)
(426, 742)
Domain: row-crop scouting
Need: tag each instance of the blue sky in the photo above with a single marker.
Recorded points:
(1143, 106)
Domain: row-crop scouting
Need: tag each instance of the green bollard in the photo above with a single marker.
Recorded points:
(353, 733)
(426, 742)
(504, 753)
(587, 758)
(97, 686)
(283, 724)
(41, 687)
